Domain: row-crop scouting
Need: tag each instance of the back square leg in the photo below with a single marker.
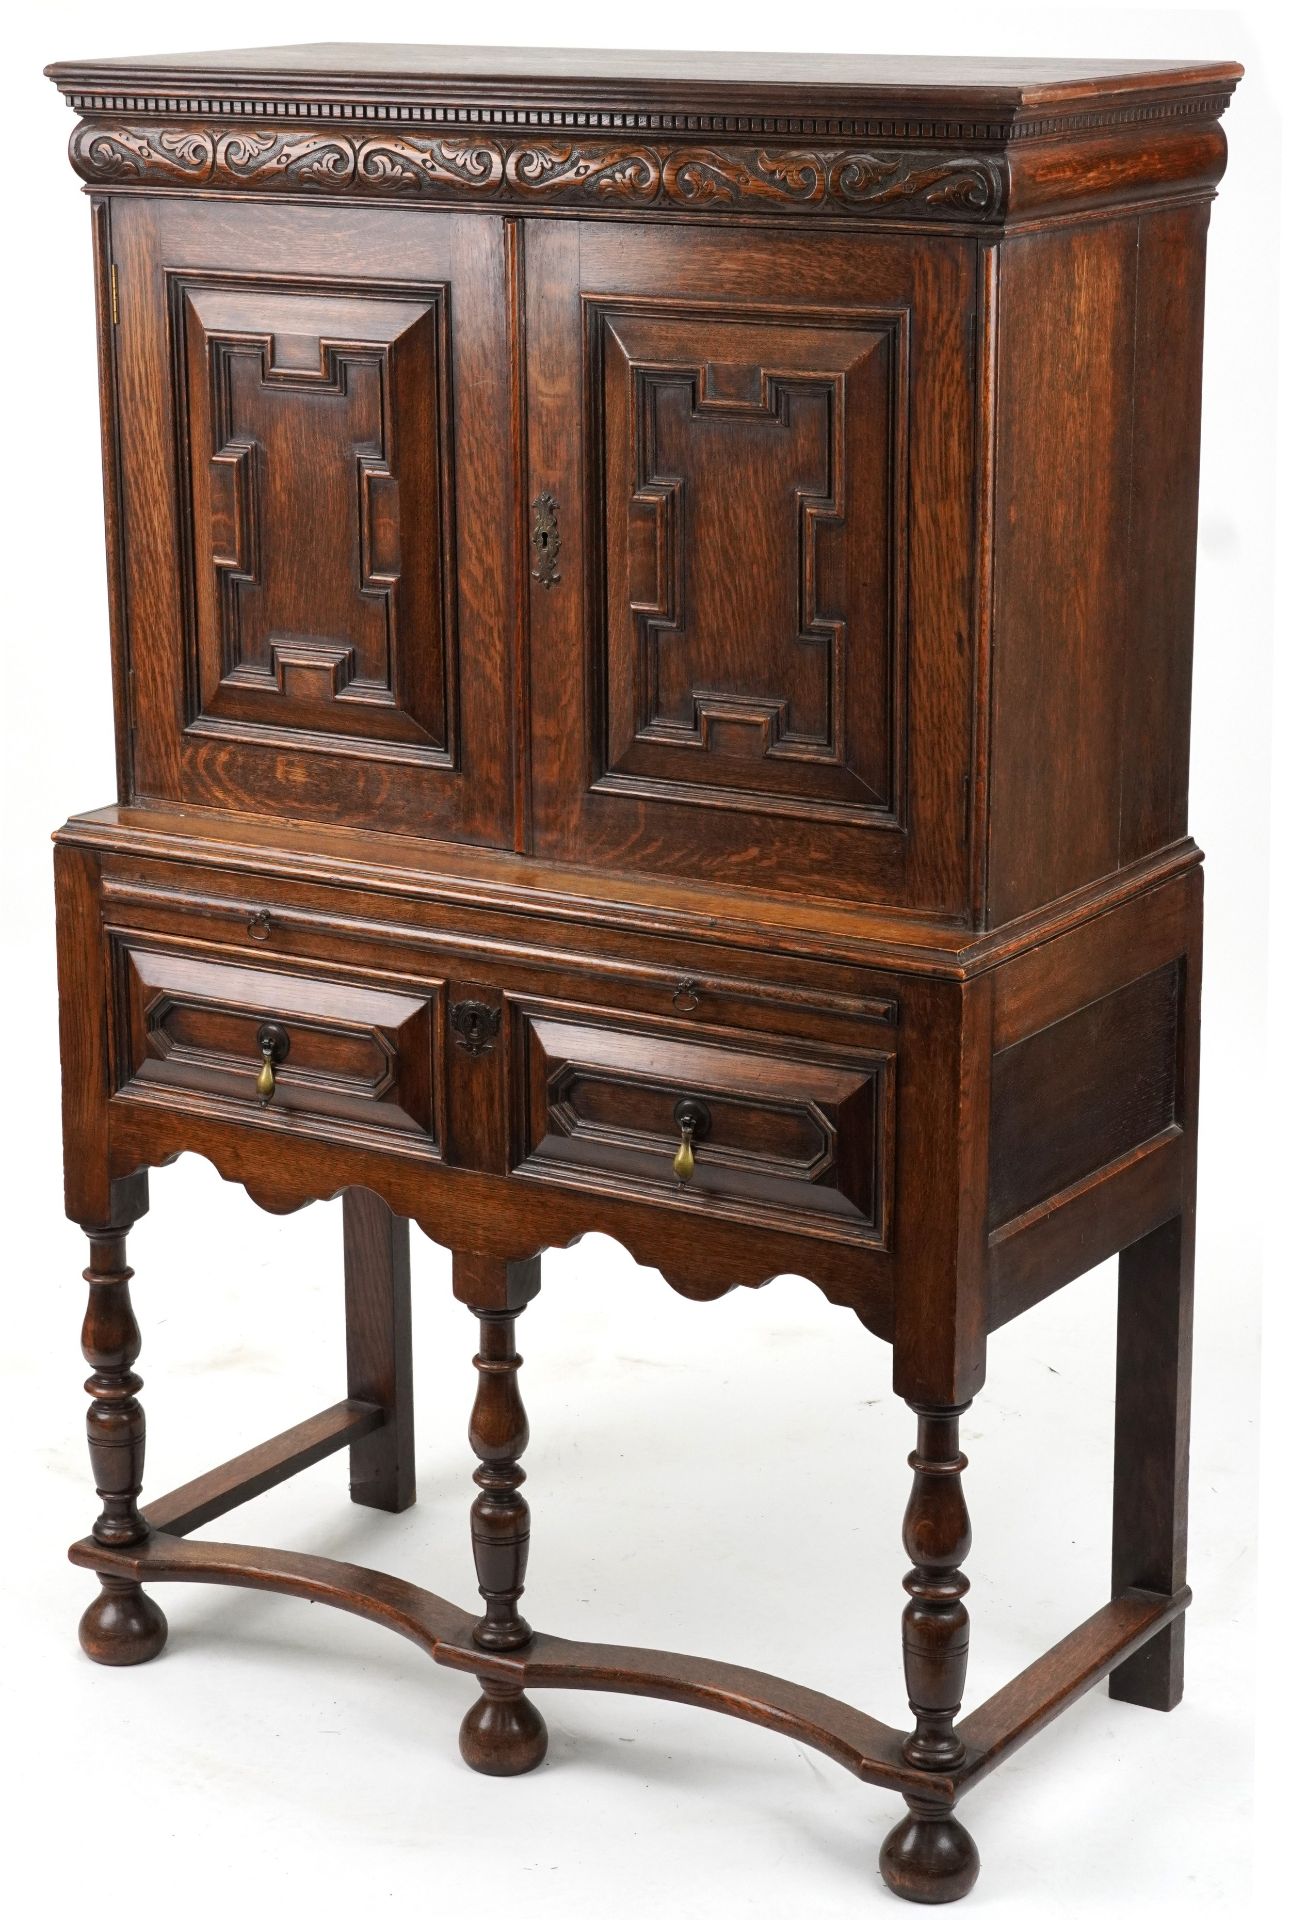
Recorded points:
(378, 1350)
(1152, 1422)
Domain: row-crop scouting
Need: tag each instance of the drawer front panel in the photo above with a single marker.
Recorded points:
(349, 1061)
(794, 1131)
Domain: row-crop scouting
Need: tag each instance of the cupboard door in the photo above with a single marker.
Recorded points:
(314, 422)
(751, 602)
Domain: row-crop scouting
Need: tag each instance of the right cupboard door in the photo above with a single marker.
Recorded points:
(750, 468)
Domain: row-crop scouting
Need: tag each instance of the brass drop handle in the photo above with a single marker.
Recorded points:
(274, 1044)
(693, 1118)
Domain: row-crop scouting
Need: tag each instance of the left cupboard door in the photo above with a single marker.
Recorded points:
(312, 414)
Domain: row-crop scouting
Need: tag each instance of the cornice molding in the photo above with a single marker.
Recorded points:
(892, 127)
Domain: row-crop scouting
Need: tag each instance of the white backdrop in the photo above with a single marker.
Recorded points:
(724, 1478)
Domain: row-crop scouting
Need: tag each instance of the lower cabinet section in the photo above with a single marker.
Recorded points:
(727, 1112)
(730, 1101)
(312, 1053)
(718, 1123)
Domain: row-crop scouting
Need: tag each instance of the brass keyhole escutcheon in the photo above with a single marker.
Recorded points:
(694, 1120)
(275, 1044)
(546, 538)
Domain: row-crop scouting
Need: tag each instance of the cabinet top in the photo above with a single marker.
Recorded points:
(959, 142)
(1004, 93)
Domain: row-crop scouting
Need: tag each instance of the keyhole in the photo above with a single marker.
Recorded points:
(545, 539)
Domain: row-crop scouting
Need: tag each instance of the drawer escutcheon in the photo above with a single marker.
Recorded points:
(475, 1025)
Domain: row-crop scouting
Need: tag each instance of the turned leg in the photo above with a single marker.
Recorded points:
(503, 1733)
(378, 1350)
(1152, 1418)
(930, 1857)
(123, 1626)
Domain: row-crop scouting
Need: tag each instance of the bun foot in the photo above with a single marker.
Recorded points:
(929, 1857)
(124, 1626)
(503, 1733)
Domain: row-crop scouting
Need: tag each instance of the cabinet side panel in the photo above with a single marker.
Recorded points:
(1156, 707)
(1080, 1093)
(105, 315)
(1097, 462)
(1062, 514)
(1093, 1092)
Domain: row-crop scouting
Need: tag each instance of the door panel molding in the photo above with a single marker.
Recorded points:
(776, 685)
(305, 404)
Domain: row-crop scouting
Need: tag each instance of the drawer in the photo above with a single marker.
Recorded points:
(779, 1127)
(346, 1060)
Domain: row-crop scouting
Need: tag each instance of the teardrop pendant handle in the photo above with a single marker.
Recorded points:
(274, 1044)
(694, 1120)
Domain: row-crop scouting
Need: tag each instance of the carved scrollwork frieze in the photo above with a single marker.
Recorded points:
(595, 172)
(592, 173)
(161, 155)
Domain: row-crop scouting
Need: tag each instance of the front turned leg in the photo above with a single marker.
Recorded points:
(930, 1857)
(503, 1733)
(124, 1626)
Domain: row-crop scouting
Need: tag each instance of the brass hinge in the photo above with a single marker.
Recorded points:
(116, 306)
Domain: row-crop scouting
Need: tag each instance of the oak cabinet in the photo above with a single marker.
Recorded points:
(651, 612)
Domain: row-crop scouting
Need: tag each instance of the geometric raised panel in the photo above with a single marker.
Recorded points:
(749, 478)
(316, 471)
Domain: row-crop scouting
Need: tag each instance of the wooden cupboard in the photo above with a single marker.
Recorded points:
(651, 612)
